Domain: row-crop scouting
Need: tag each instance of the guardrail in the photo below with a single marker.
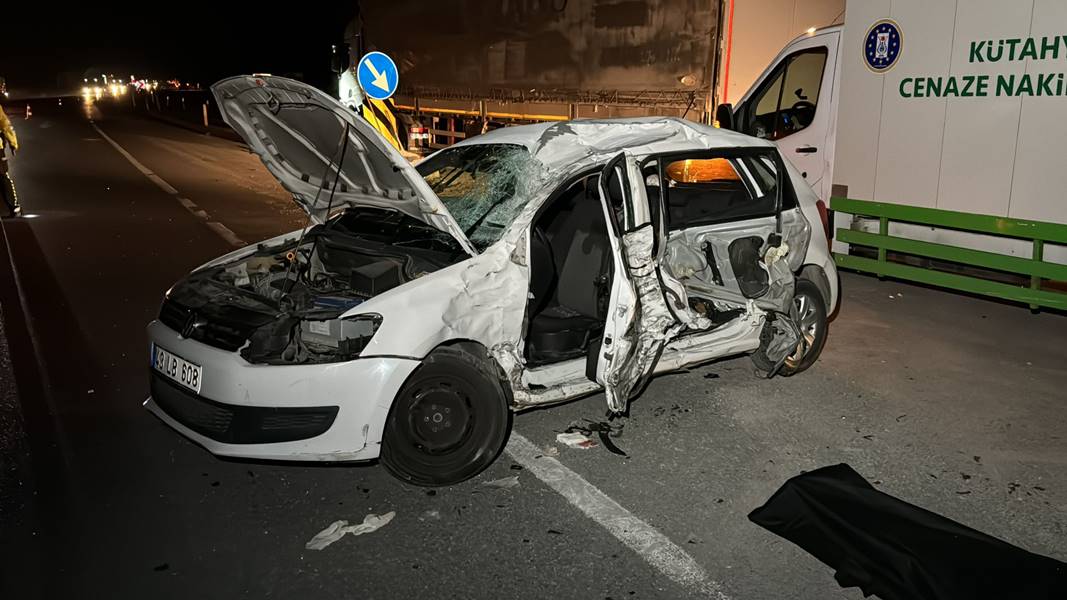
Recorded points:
(1037, 232)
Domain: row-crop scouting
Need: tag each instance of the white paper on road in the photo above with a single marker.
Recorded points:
(506, 482)
(576, 440)
(338, 529)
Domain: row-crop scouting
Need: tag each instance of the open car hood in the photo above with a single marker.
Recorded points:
(298, 133)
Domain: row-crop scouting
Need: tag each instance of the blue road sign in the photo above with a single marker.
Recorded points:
(377, 75)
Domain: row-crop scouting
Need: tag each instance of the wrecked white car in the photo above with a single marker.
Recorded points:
(523, 267)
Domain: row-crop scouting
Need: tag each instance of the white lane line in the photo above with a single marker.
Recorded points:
(226, 233)
(651, 545)
(223, 231)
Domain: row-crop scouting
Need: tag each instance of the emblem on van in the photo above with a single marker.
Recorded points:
(882, 45)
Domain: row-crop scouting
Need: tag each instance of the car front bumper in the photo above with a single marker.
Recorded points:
(323, 412)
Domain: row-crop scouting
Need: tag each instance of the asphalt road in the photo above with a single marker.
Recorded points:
(952, 403)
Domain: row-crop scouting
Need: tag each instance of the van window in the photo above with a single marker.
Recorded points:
(704, 191)
(787, 102)
(766, 103)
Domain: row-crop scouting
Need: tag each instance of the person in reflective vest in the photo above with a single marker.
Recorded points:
(7, 186)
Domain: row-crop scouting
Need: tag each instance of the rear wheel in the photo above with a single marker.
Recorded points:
(808, 311)
(449, 422)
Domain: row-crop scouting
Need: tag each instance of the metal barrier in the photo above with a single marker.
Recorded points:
(1037, 232)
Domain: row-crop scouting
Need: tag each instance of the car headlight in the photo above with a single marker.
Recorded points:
(338, 339)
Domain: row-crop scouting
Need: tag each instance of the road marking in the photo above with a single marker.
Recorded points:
(642, 538)
(224, 232)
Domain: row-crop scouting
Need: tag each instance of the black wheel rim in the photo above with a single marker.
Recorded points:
(441, 415)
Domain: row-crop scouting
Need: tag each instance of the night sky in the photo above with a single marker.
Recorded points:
(42, 51)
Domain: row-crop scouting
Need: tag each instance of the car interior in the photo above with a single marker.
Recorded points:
(570, 256)
(570, 275)
(697, 197)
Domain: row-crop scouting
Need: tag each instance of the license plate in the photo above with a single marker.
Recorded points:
(177, 368)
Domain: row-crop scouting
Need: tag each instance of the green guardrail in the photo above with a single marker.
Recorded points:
(1037, 232)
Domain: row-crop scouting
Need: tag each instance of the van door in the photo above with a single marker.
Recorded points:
(792, 104)
(638, 322)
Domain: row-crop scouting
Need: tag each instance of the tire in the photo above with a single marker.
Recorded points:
(809, 313)
(449, 421)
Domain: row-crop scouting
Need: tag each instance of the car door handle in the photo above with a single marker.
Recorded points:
(807, 150)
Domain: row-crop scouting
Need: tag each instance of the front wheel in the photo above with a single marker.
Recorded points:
(809, 313)
(449, 422)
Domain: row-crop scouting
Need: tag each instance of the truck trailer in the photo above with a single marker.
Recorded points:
(467, 66)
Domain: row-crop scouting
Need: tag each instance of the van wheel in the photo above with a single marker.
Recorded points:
(449, 422)
(809, 313)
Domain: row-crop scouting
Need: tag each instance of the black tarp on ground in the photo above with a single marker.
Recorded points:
(898, 551)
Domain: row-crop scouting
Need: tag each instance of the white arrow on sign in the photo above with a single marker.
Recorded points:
(380, 80)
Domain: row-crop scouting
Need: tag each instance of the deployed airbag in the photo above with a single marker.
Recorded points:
(898, 551)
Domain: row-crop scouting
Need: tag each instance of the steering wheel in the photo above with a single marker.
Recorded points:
(804, 112)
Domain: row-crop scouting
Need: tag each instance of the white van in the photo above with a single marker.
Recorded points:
(950, 105)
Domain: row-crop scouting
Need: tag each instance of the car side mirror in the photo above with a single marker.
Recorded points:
(724, 114)
(339, 60)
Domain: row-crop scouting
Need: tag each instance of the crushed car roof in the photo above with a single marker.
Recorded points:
(559, 145)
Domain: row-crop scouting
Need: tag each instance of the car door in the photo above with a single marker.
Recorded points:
(638, 322)
(726, 210)
(791, 104)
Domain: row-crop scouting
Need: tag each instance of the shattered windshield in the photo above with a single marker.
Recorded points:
(482, 187)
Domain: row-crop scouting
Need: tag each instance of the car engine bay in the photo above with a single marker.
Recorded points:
(286, 300)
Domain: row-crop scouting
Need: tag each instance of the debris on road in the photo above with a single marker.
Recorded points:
(430, 515)
(605, 430)
(338, 529)
(610, 445)
(503, 483)
(575, 440)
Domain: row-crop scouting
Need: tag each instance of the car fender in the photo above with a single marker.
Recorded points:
(482, 299)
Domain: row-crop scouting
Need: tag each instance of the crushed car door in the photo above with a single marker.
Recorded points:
(638, 322)
(732, 217)
(737, 235)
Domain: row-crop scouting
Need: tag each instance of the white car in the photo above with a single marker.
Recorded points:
(519, 268)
